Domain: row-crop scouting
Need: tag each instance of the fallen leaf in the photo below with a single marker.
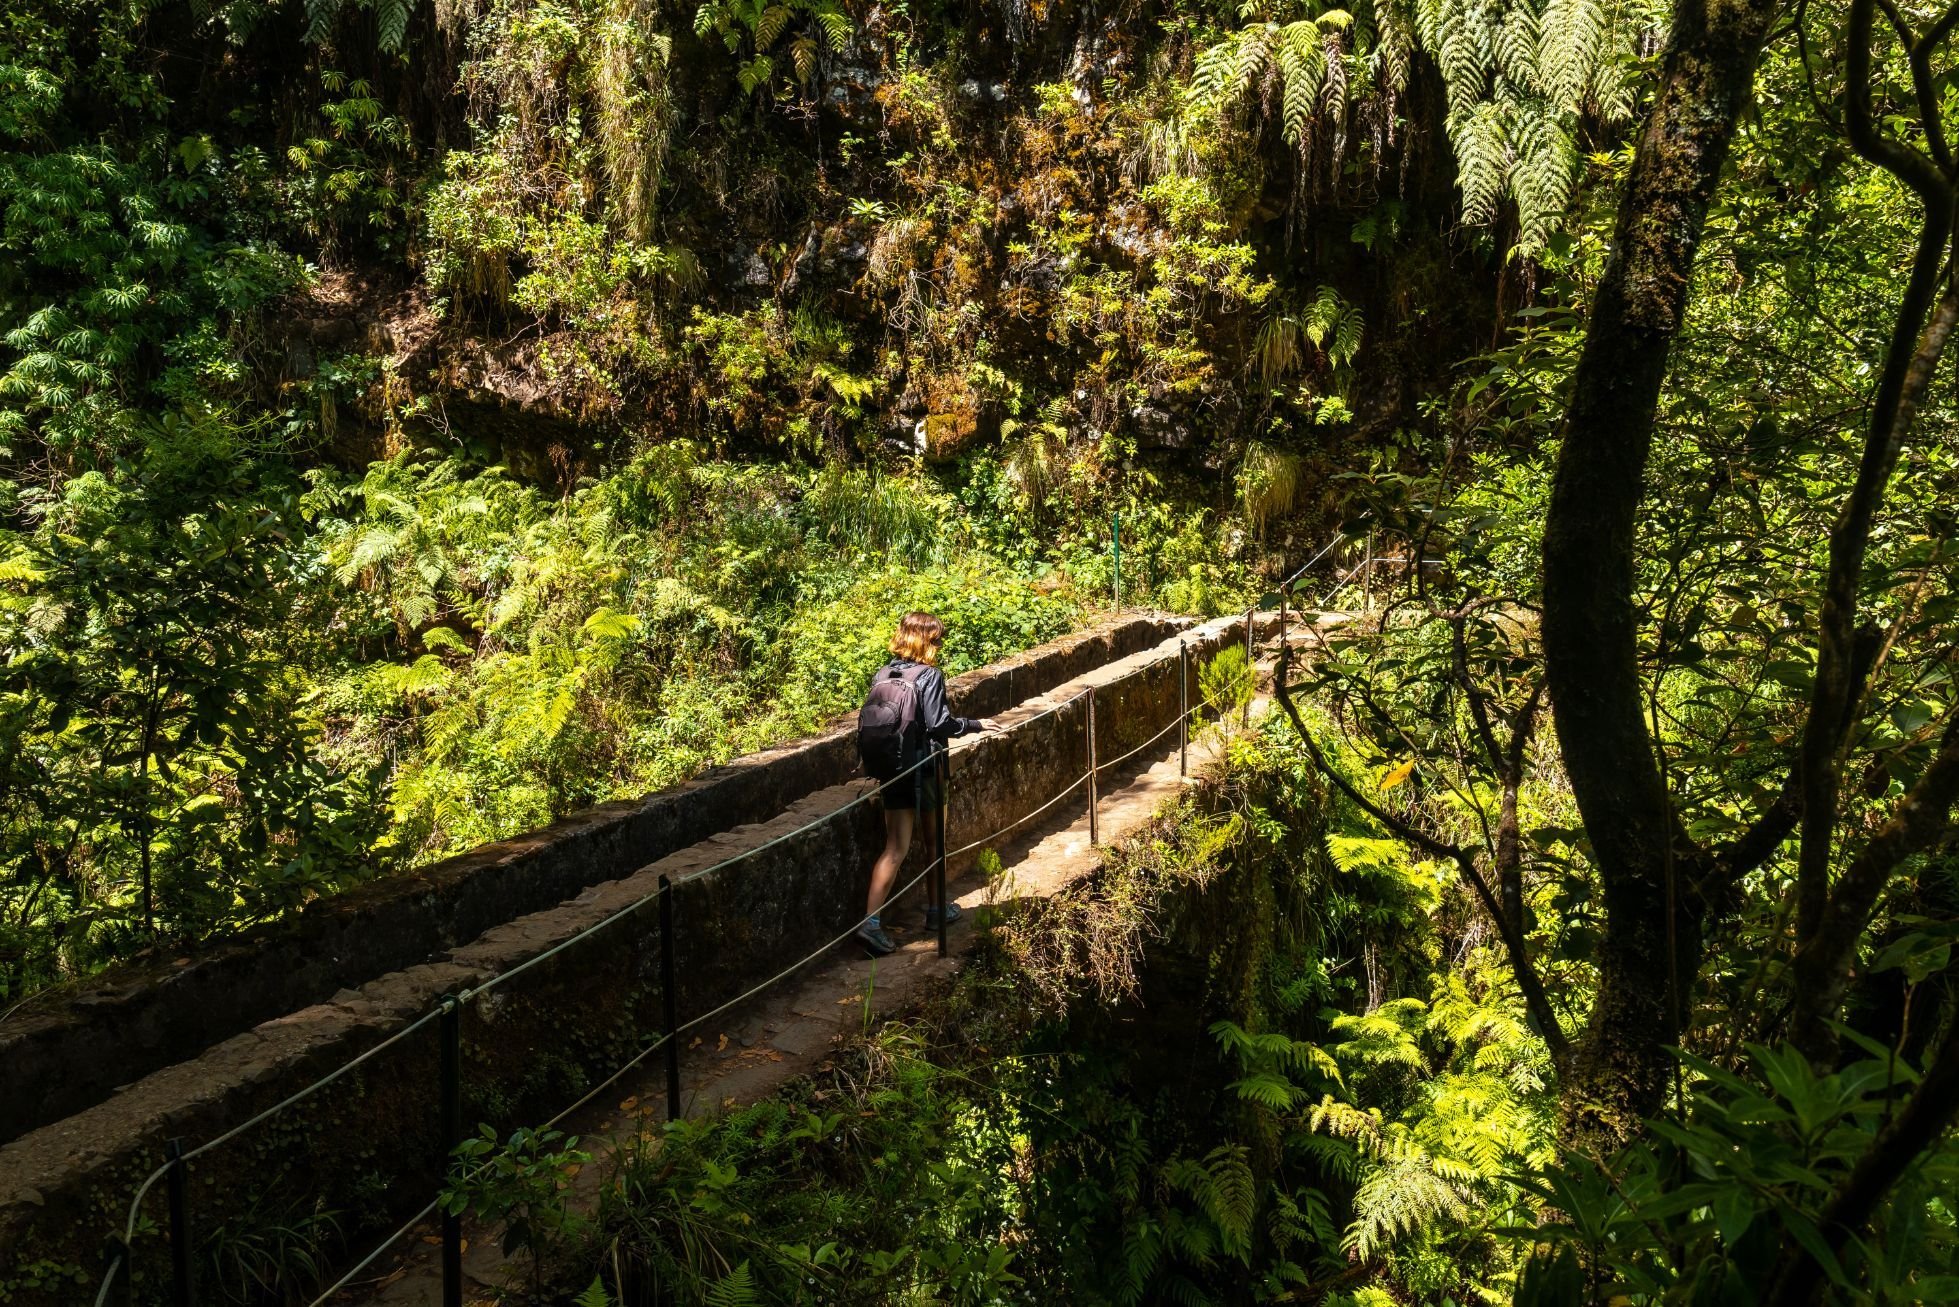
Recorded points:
(629, 1104)
(721, 1044)
(1398, 775)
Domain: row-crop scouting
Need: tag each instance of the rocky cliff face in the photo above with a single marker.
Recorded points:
(1002, 232)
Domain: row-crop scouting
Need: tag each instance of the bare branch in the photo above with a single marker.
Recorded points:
(1823, 959)
(1837, 685)
(1536, 1000)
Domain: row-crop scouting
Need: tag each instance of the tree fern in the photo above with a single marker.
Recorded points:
(1517, 75)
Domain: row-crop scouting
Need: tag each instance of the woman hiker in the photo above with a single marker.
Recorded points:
(903, 724)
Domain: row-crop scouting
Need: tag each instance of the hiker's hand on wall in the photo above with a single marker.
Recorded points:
(988, 724)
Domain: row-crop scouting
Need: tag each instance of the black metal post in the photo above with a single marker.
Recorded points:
(177, 1182)
(1094, 835)
(669, 1000)
(451, 1025)
(944, 768)
(1251, 668)
(1183, 709)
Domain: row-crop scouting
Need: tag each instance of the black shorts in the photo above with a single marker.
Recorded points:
(913, 790)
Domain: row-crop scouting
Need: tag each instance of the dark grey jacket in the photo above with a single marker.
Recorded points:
(932, 714)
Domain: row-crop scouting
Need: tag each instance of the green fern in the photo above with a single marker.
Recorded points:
(735, 1289)
(1398, 1199)
(391, 24)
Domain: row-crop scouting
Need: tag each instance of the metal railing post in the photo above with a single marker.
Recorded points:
(451, 1026)
(181, 1265)
(669, 1001)
(944, 767)
(1251, 668)
(1094, 834)
(1183, 709)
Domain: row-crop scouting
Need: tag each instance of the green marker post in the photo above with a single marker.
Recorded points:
(1115, 550)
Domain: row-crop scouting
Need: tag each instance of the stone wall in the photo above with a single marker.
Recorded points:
(66, 1055)
(365, 1146)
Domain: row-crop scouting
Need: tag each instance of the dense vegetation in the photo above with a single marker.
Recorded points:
(424, 420)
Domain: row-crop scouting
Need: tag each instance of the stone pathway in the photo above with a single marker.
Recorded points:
(790, 1030)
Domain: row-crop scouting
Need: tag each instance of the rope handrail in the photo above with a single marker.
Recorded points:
(968, 848)
(1301, 570)
(149, 1181)
(376, 1251)
(464, 996)
(739, 999)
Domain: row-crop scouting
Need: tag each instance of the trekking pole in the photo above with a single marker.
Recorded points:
(181, 1266)
(944, 768)
(451, 1027)
(668, 1000)
(1094, 836)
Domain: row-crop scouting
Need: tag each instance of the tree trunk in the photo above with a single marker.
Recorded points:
(1590, 626)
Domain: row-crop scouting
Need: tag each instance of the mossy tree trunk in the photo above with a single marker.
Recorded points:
(1619, 1070)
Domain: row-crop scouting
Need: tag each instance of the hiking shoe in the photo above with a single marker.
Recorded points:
(952, 914)
(875, 941)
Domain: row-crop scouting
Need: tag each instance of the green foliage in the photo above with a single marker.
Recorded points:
(1704, 1211)
(850, 1190)
(519, 1184)
(1519, 80)
(522, 658)
(796, 32)
(1227, 682)
(161, 778)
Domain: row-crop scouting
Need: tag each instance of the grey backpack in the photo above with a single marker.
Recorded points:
(889, 728)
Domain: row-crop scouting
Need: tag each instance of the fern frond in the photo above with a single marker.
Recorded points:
(834, 24)
(319, 19)
(769, 26)
(1543, 177)
(1398, 1200)
(1302, 72)
(1482, 160)
(1254, 58)
(1517, 45)
(802, 53)
(735, 1289)
(391, 24)
(1571, 35)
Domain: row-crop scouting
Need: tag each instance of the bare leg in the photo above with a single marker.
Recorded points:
(897, 843)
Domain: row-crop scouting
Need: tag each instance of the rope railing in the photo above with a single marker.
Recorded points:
(450, 1006)
(376, 1251)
